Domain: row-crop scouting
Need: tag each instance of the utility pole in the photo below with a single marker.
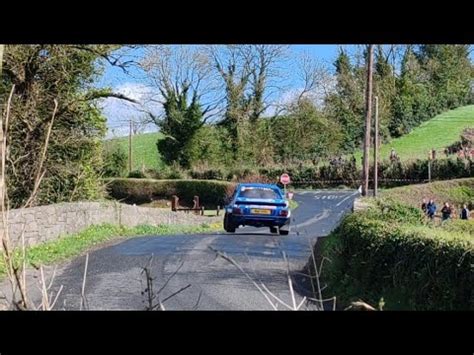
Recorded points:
(430, 157)
(376, 145)
(130, 147)
(368, 107)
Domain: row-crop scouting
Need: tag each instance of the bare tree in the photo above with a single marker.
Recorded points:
(264, 79)
(317, 81)
(140, 124)
(249, 77)
(179, 70)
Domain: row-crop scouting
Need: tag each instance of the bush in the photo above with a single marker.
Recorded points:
(343, 172)
(209, 174)
(411, 266)
(115, 162)
(211, 193)
(137, 174)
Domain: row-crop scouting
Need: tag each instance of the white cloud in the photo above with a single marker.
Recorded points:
(119, 112)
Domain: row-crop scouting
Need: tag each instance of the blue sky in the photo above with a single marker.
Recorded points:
(114, 76)
(119, 112)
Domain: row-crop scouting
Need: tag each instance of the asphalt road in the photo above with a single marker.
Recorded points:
(115, 280)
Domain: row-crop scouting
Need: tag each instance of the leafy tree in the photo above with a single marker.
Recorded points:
(181, 75)
(386, 90)
(180, 124)
(305, 134)
(210, 146)
(449, 70)
(40, 75)
(346, 105)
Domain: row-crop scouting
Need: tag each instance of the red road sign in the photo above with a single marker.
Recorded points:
(285, 179)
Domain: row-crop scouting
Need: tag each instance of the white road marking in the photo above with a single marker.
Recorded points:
(355, 193)
(328, 197)
(316, 218)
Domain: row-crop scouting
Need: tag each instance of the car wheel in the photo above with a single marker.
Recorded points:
(285, 229)
(229, 227)
(273, 230)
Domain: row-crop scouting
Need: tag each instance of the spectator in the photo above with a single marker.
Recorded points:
(446, 212)
(393, 155)
(424, 205)
(431, 209)
(464, 212)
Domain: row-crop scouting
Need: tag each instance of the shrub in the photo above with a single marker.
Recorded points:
(211, 193)
(115, 162)
(137, 174)
(410, 265)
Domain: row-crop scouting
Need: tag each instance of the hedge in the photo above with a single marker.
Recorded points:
(346, 173)
(411, 266)
(211, 193)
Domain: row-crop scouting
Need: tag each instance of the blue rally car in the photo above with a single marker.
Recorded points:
(258, 205)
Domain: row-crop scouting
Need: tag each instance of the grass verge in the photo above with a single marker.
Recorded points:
(293, 204)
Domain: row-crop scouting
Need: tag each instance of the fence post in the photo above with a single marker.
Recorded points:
(429, 169)
(196, 206)
(174, 203)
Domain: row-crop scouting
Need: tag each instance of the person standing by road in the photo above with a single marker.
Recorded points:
(424, 205)
(431, 209)
(393, 155)
(446, 212)
(464, 212)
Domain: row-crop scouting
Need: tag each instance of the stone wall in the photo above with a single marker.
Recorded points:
(46, 223)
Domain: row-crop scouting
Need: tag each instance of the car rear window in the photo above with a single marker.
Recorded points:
(259, 192)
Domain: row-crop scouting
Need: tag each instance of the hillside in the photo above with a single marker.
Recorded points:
(144, 151)
(437, 133)
(456, 192)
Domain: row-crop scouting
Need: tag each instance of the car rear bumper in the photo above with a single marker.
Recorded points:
(259, 221)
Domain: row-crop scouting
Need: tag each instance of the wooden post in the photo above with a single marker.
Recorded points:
(218, 209)
(196, 204)
(368, 108)
(202, 210)
(429, 170)
(174, 203)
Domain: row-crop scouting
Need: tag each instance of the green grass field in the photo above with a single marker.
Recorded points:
(144, 150)
(457, 192)
(437, 133)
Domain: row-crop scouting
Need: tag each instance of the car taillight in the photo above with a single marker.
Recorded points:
(284, 213)
(236, 210)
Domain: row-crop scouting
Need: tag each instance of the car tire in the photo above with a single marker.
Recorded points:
(285, 229)
(229, 226)
(274, 230)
